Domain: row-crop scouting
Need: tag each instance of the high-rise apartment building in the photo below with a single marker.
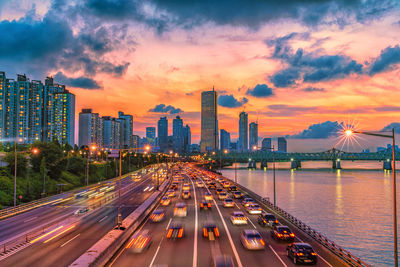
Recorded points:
(266, 144)
(178, 135)
(162, 134)
(151, 133)
(282, 144)
(135, 141)
(126, 129)
(209, 121)
(225, 139)
(90, 128)
(243, 132)
(111, 132)
(253, 136)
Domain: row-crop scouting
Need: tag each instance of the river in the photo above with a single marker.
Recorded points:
(352, 206)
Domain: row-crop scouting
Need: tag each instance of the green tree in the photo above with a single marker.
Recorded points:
(55, 160)
(22, 163)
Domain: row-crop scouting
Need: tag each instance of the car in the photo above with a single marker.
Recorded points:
(252, 240)
(302, 253)
(199, 184)
(229, 203)
(267, 219)
(174, 186)
(180, 210)
(185, 194)
(254, 209)
(210, 230)
(205, 205)
(238, 218)
(81, 211)
(237, 194)
(171, 193)
(219, 190)
(158, 215)
(212, 185)
(226, 184)
(175, 231)
(222, 261)
(247, 201)
(222, 195)
(232, 188)
(139, 242)
(165, 201)
(282, 233)
(208, 196)
(186, 186)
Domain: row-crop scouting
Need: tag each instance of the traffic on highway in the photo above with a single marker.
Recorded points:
(205, 220)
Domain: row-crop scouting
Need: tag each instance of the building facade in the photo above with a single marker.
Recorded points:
(162, 134)
(178, 135)
(282, 144)
(126, 129)
(111, 132)
(225, 140)
(243, 132)
(151, 135)
(266, 144)
(253, 136)
(187, 139)
(209, 121)
(90, 128)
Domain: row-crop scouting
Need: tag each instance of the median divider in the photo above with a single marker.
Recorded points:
(101, 252)
(336, 249)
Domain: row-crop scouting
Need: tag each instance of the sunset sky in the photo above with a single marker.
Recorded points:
(290, 64)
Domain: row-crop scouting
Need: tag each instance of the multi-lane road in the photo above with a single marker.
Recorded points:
(62, 244)
(195, 250)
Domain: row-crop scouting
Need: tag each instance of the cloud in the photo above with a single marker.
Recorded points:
(313, 89)
(285, 77)
(320, 130)
(389, 57)
(162, 108)
(260, 90)
(387, 108)
(287, 110)
(80, 82)
(393, 125)
(229, 101)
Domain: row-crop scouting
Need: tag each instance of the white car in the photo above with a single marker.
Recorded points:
(199, 184)
(222, 196)
(208, 196)
(81, 211)
(229, 203)
(254, 209)
(238, 218)
(180, 210)
(186, 187)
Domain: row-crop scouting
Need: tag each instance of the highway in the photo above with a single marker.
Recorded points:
(63, 245)
(195, 250)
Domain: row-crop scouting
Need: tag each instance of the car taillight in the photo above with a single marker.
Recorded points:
(201, 205)
(209, 205)
(216, 232)
(205, 233)
(180, 234)
(279, 235)
(262, 242)
(169, 234)
(276, 221)
(300, 254)
(291, 235)
(313, 253)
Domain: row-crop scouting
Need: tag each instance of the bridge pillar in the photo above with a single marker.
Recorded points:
(336, 164)
(298, 162)
(293, 164)
(249, 165)
(387, 165)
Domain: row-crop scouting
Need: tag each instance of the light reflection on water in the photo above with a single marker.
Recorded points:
(352, 207)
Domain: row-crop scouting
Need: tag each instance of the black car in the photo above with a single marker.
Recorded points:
(282, 232)
(205, 205)
(222, 261)
(302, 253)
(267, 219)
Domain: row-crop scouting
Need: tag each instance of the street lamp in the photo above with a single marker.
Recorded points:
(91, 148)
(349, 133)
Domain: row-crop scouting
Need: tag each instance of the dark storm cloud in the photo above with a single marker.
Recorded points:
(389, 57)
(229, 101)
(162, 108)
(80, 82)
(260, 90)
(320, 130)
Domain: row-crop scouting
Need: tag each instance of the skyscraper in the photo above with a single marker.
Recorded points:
(243, 132)
(151, 133)
(162, 133)
(225, 139)
(282, 144)
(266, 144)
(126, 129)
(253, 136)
(187, 138)
(90, 128)
(111, 132)
(209, 121)
(177, 134)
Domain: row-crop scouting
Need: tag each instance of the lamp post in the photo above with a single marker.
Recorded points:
(350, 132)
(92, 147)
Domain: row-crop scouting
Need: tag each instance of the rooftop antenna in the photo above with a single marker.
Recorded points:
(213, 88)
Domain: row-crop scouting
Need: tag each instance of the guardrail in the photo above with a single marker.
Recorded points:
(101, 252)
(336, 249)
(4, 213)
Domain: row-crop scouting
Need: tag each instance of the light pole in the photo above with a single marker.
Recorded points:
(348, 133)
(92, 147)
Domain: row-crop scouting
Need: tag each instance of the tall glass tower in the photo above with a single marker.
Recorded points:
(209, 121)
(243, 132)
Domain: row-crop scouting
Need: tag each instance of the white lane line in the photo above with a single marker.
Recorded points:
(170, 220)
(330, 265)
(31, 219)
(252, 223)
(70, 240)
(155, 255)
(195, 227)
(277, 255)
(103, 218)
(228, 233)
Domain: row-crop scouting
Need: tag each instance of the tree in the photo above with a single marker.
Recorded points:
(43, 171)
(55, 160)
(22, 163)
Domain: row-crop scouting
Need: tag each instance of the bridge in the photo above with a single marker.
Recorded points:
(54, 234)
(334, 155)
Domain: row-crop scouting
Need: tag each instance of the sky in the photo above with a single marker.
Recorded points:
(300, 68)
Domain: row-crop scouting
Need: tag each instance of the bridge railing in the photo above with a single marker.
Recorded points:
(336, 249)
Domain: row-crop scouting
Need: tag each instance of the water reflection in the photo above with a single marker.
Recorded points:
(339, 197)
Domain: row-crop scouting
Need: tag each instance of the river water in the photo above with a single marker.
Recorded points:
(352, 206)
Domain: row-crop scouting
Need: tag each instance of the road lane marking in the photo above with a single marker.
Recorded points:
(170, 220)
(252, 223)
(228, 233)
(276, 254)
(155, 255)
(31, 219)
(40, 237)
(66, 230)
(317, 254)
(69, 240)
(195, 227)
(103, 218)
